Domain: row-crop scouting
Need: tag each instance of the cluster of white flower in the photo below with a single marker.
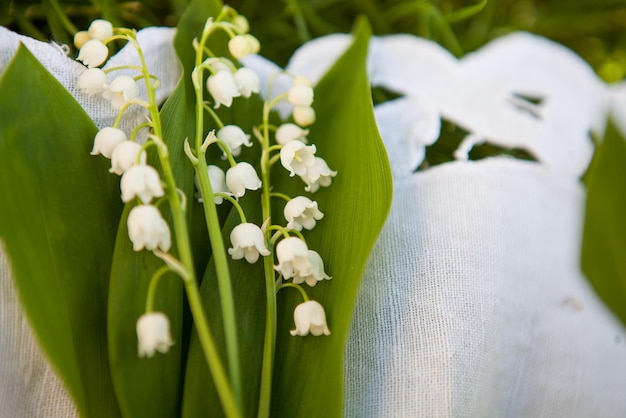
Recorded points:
(93, 52)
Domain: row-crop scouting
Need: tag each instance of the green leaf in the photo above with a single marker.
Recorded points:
(604, 239)
(149, 387)
(56, 216)
(466, 12)
(309, 371)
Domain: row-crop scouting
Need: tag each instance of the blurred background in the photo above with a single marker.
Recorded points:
(595, 29)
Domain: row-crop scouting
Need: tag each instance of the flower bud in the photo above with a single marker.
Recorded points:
(124, 156)
(93, 53)
(238, 46)
(247, 81)
(80, 38)
(304, 116)
(141, 181)
(300, 95)
(310, 318)
(242, 23)
(100, 29)
(92, 81)
(106, 140)
(288, 132)
(242, 177)
(153, 334)
(223, 88)
(147, 229)
(121, 91)
(248, 241)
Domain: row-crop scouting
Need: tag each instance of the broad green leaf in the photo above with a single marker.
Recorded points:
(308, 376)
(57, 216)
(149, 387)
(604, 239)
(309, 370)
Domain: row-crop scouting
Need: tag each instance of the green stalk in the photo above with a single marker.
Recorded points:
(269, 343)
(215, 236)
(223, 387)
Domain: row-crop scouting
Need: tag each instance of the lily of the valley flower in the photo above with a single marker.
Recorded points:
(304, 116)
(247, 81)
(297, 157)
(141, 181)
(242, 23)
(93, 53)
(242, 177)
(301, 212)
(241, 45)
(218, 184)
(124, 156)
(81, 38)
(310, 318)
(153, 334)
(319, 174)
(247, 240)
(122, 90)
(288, 132)
(234, 137)
(223, 88)
(100, 29)
(314, 274)
(92, 81)
(147, 229)
(293, 257)
(106, 140)
(300, 95)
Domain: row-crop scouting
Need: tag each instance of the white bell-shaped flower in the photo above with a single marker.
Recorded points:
(141, 181)
(147, 229)
(242, 177)
(92, 81)
(319, 174)
(81, 38)
(239, 46)
(304, 115)
(106, 140)
(247, 241)
(153, 334)
(301, 212)
(300, 95)
(310, 317)
(247, 81)
(223, 88)
(293, 257)
(124, 156)
(314, 274)
(297, 157)
(93, 53)
(288, 132)
(218, 184)
(234, 137)
(100, 29)
(121, 91)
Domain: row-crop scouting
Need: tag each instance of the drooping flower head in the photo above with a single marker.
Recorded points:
(304, 116)
(100, 29)
(247, 81)
(297, 157)
(92, 81)
(241, 45)
(141, 181)
(122, 90)
(293, 257)
(318, 175)
(314, 274)
(106, 140)
(247, 240)
(223, 88)
(234, 137)
(147, 229)
(93, 53)
(153, 334)
(301, 212)
(288, 132)
(124, 156)
(310, 317)
(242, 177)
(218, 184)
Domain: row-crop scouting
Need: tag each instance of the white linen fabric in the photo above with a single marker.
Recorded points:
(473, 302)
